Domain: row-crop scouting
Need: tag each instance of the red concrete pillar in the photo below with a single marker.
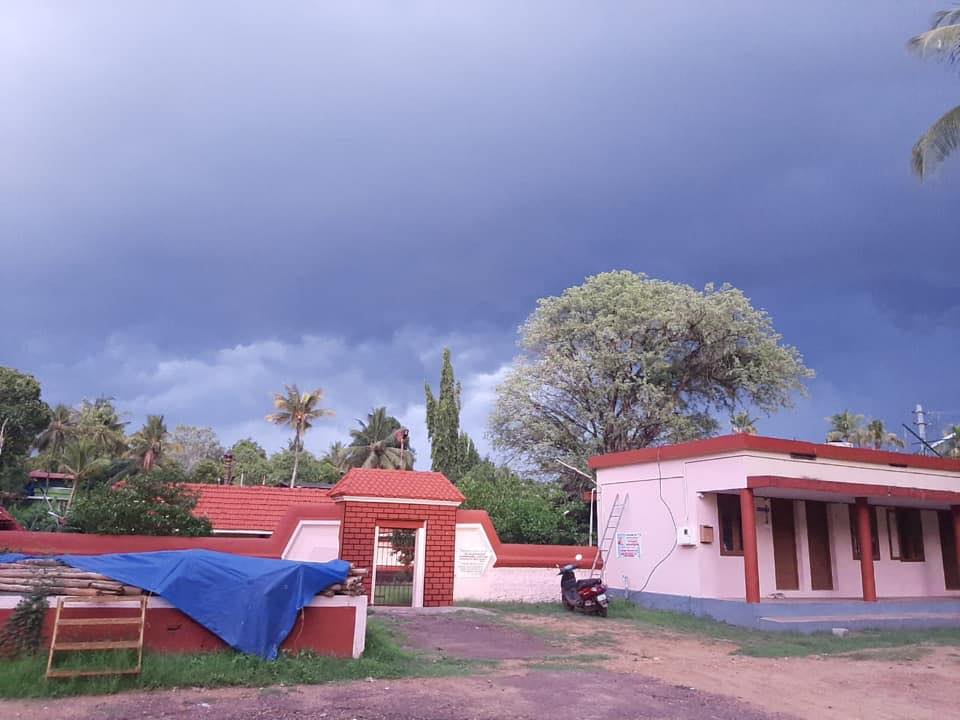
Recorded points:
(864, 536)
(751, 565)
(955, 511)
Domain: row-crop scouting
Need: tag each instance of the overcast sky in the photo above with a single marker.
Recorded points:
(200, 202)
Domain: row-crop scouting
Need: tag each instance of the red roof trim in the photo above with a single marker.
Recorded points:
(743, 442)
(940, 497)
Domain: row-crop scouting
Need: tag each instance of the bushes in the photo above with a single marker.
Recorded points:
(522, 511)
(23, 633)
(151, 503)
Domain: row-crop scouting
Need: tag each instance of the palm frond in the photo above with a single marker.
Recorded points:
(942, 43)
(937, 143)
(943, 18)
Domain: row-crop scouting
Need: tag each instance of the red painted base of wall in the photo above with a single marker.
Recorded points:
(323, 630)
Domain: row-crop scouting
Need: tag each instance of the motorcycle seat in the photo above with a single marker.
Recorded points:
(588, 582)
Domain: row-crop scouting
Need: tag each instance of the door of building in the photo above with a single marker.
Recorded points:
(948, 549)
(395, 564)
(784, 544)
(818, 542)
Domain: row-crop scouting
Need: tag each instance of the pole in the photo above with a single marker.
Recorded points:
(921, 423)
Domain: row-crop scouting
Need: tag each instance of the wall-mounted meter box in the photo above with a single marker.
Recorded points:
(685, 536)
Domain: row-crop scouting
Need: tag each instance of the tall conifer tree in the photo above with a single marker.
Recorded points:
(452, 452)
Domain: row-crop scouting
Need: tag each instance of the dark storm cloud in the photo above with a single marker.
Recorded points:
(201, 177)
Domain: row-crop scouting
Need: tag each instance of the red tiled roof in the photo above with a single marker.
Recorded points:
(230, 507)
(8, 521)
(406, 484)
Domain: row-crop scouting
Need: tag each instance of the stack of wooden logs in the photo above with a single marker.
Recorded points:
(353, 585)
(56, 578)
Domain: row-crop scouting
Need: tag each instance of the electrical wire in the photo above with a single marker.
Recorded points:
(672, 519)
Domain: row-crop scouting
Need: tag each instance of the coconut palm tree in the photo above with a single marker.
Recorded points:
(58, 432)
(338, 455)
(743, 423)
(845, 427)
(298, 410)
(149, 444)
(83, 459)
(380, 443)
(99, 420)
(942, 42)
(877, 435)
(952, 438)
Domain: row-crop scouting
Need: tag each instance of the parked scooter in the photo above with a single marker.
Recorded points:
(587, 596)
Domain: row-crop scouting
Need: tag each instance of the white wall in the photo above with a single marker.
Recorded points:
(314, 541)
(475, 578)
(701, 571)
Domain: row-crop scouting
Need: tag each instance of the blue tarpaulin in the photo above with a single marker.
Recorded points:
(250, 603)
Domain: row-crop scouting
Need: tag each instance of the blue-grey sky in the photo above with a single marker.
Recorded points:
(202, 201)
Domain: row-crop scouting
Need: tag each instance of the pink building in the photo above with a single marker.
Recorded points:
(743, 528)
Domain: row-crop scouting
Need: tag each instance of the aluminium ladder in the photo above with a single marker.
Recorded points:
(609, 532)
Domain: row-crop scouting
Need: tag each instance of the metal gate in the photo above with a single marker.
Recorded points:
(394, 563)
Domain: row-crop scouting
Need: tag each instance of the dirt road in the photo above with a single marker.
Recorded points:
(627, 673)
(524, 696)
(889, 684)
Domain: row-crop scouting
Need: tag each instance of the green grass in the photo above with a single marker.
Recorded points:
(754, 643)
(383, 658)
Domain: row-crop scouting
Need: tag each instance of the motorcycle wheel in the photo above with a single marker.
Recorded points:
(602, 612)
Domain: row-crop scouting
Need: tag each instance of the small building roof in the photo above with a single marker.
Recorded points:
(8, 521)
(44, 475)
(253, 508)
(400, 484)
(742, 442)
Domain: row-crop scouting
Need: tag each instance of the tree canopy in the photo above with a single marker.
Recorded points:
(250, 462)
(942, 139)
(190, 445)
(451, 450)
(22, 416)
(851, 428)
(148, 503)
(625, 361)
(522, 511)
(375, 445)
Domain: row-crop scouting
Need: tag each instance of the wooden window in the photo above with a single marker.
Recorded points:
(874, 534)
(905, 531)
(731, 529)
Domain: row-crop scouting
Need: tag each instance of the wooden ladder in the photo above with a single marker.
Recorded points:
(56, 645)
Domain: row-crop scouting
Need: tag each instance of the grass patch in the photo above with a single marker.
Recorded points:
(907, 653)
(383, 658)
(546, 665)
(754, 643)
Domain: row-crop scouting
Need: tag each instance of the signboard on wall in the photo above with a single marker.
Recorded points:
(471, 562)
(628, 545)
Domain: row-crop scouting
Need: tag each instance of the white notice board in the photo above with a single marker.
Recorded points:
(628, 545)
